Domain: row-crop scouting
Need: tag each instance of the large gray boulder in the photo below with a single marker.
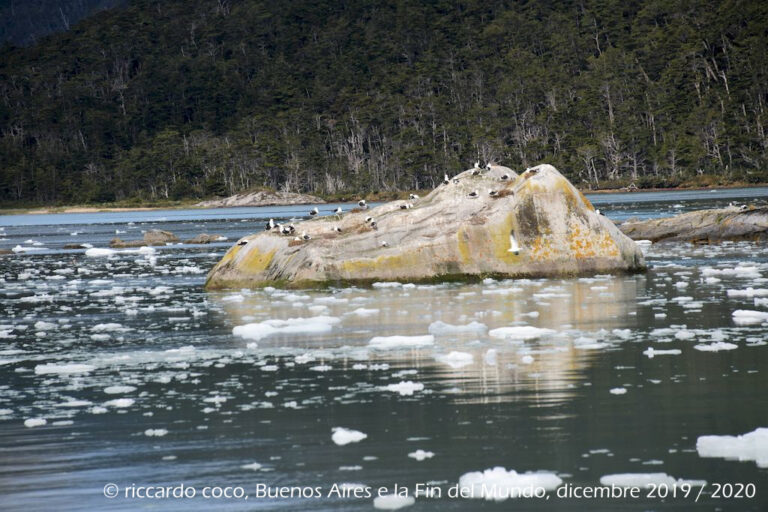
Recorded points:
(704, 226)
(537, 224)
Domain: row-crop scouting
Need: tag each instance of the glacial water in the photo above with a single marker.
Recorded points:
(120, 369)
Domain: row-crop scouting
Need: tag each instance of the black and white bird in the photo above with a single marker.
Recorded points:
(305, 236)
(338, 211)
(493, 193)
(374, 225)
(384, 244)
(292, 228)
(406, 206)
(337, 229)
(473, 193)
(270, 224)
(446, 181)
(368, 219)
(362, 204)
(476, 169)
(242, 242)
(314, 211)
(504, 177)
(413, 197)
(286, 230)
(455, 180)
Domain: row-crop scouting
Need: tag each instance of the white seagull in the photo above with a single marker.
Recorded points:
(314, 211)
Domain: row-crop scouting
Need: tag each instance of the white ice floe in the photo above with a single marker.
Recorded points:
(120, 403)
(395, 342)
(618, 391)
(342, 436)
(44, 326)
(393, 502)
(155, 432)
(421, 455)
(527, 359)
(491, 357)
(363, 312)
(63, 369)
(109, 327)
(455, 359)
(716, 346)
(253, 466)
(645, 480)
(652, 352)
(521, 332)
(35, 422)
(749, 292)
(311, 325)
(741, 271)
(441, 328)
(405, 387)
(749, 317)
(752, 446)
(387, 284)
(498, 484)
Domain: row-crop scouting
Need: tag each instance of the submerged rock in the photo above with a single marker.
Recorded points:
(204, 238)
(703, 226)
(261, 198)
(537, 224)
(153, 237)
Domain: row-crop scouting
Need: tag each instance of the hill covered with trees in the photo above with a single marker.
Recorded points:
(179, 99)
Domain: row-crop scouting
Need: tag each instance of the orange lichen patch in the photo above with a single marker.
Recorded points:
(541, 248)
(586, 201)
(584, 243)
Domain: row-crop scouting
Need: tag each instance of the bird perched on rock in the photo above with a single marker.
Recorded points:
(242, 242)
(406, 206)
(337, 229)
(374, 225)
(338, 211)
(598, 212)
(314, 211)
(270, 224)
(413, 197)
(504, 177)
(476, 169)
(286, 230)
(473, 193)
(305, 236)
(446, 181)
(292, 228)
(362, 204)
(493, 193)
(368, 219)
(384, 244)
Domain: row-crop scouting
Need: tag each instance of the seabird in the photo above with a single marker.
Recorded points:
(413, 197)
(504, 177)
(492, 193)
(242, 242)
(373, 224)
(368, 219)
(337, 211)
(743, 207)
(473, 193)
(286, 230)
(476, 169)
(513, 247)
(270, 224)
(279, 228)
(305, 236)
(292, 228)
(406, 206)
(314, 211)
(455, 180)
(361, 203)
(384, 244)
(598, 212)
(337, 229)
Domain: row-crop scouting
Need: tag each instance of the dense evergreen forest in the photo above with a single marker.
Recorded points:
(176, 99)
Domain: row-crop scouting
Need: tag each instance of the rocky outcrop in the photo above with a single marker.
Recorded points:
(153, 237)
(205, 238)
(261, 198)
(537, 224)
(704, 226)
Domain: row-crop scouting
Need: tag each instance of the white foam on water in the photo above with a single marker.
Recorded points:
(253, 466)
(342, 436)
(498, 484)
(421, 455)
(35, 422)
(645, 480)
(395, 342)
(752, 446)
(652, 352)
(455, 359)
(363, 312)
(392, 502)
(120, 403)
(716, 346)
(63, 369)
(387, 284)
(405, 387)
(522, 332)
(311, 325)
(155, 432)
(441, 328)
(618, 391)
(749, 317)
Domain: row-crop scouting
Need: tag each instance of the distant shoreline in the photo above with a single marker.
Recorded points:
(192, 204)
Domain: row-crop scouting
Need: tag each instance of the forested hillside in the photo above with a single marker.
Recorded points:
(177, 99)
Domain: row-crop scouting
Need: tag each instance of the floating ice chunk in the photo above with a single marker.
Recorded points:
(684, 334)
(350, 468)
(421, 455)
(395, 342)
(749, 317)
(393, 502)
(490, 357)
(35, 422)
(742, 271)
(387, 284)
(498, 484)
(363, 312)
(752, 446)
(651, 352)
(618, 391)
(342, 436)
(63, 369)
(120, 403)
(75, 403)
(405, 387)
(44, 326)
(716, 346)
(311, 325)
(645, 480)
(749, 292)
(624, 334)
(643, 242)
(455, 359)
(107, 327)
(527, 359)
(502, 291)
(441, 328)
(97, 252)
(523, 332)
(321, 368)
(155, 432)
(253, 466)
